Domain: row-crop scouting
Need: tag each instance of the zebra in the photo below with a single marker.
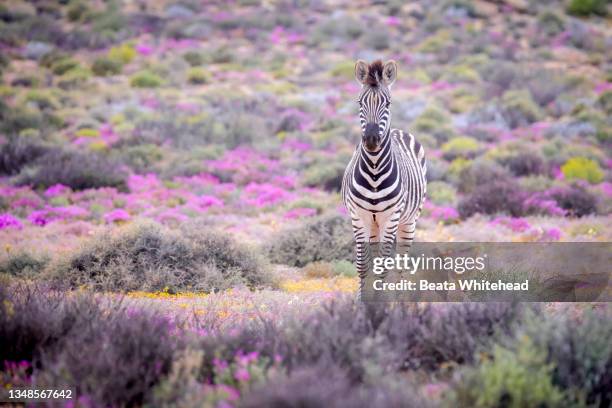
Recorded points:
(384, 184)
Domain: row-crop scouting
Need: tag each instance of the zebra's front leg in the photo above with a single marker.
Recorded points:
(405, 234)
(387, 239)
(363, 254)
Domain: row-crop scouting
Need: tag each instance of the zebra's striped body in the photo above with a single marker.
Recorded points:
(384, 184)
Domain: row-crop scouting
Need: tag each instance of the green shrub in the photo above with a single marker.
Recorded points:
(106, 66)
(77, 170)
(587, 7)
(193, 58)
(579, 349)
(14, 120)
(434, 122)
(145, 79)
(327, 175)
(344, 69)
(124, 53)
(63, 65)
(512, 378)
(463, 146)
(583, 169)
(142, 157)
(198, 76)
(328, 238)
(77, 11)
(550, 23)
(519, 109)
(149, 257)
(42, 99)
(440, 192)
(605, 102)
(344, 268)
(74, 78)
(377, 39)
(24, 264)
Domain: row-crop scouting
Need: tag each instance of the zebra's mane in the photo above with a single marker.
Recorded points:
(375, 73)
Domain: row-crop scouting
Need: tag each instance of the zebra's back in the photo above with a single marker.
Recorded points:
(413, 159)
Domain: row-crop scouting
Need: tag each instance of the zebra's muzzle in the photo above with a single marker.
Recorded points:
(371, 136)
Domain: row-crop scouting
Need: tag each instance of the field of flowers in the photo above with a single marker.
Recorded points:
(171, 231)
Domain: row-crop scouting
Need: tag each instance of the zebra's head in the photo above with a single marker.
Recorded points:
(374, 100)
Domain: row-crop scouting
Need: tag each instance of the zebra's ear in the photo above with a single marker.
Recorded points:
(361, 71)
(389, 72)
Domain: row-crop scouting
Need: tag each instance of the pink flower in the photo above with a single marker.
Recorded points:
(299, 213)
(57, 190)
(9, 221)
(297, 145)
(144, 49)
(138, 183)
(38, 218)
(552, 234)
(444, 213)
(118, 215)
(242, 374)
(393, 21)
(262, 195)
(209, 201)
(514, 224)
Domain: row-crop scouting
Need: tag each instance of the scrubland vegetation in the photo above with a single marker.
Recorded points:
(170, 222)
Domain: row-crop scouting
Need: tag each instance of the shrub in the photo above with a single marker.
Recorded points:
(574, 200)
(440, 192)
(18, 152)
(579, 351)
(327, 238)
(501, 196)
(479, 173)
(63, 65)
(143, 157)
(550, 23)
(369, 342)
(327, 175)
(105, 66)
(23, 264)
(77, 170)
(545, 86)
(15, 120)
(193, 58)
(511, 378)
(318, 269)
(150, 258)
(124, 53)
(524, 164)
(122, 352)
(587, 7)
(198, 76)
(518, 109)
(74, 78)
(604, 101)
(318, 386)
(344, 268)
(541, 358)
(464, 146)
(77, 11)
(145, 79)
(377, 39)
(583, 169)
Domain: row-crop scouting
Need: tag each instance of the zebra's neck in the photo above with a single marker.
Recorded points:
(375, 161)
